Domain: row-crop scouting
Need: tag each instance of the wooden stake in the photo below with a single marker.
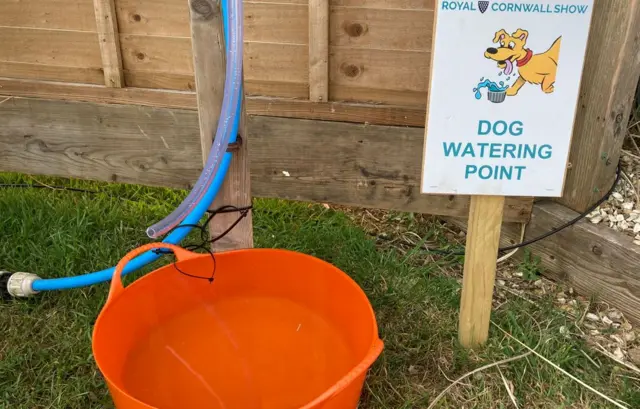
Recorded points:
(319, 50)
(207, 39)
(483, 238)
(235, 191)
(207, 34)
(108, 36)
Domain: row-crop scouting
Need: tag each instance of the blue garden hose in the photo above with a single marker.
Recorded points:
(177, 235)
(142, 260)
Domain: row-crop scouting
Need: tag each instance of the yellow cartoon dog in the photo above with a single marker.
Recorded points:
(532, 68)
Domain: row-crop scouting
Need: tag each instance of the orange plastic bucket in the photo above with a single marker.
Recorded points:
(275, 330)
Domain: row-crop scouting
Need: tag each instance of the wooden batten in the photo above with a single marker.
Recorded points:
(319, 50)
(256, 105)
(107, 27)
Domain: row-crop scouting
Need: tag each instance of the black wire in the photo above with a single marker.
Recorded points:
(572, 221)
(244, 211)
(39, 186)
(552, 231)
(205, 241)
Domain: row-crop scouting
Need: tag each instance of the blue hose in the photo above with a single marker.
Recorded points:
(175, 237)
(142, 260)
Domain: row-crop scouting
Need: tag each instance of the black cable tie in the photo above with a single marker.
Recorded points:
(162, 251)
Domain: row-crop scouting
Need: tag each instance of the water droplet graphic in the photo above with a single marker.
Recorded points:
(491, 86)
(500, 73)
(481, 79)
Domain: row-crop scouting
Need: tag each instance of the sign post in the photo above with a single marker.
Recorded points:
(503, 92)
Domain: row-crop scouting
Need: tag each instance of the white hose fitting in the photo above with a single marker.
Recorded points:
(20, 285)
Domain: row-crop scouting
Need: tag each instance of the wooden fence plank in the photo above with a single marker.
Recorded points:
(336, 111)
(159, 80)
(50, 47)
(167, 62)
(371, 68)
(169, 18)
(59, 14)
(319, 50)
(107, 27)
(612, 68)
(283, 89)
(119, 143)
(355, 94)
(593, 259)
(276, 62)
(276, 23)
(154, 17)
(361, 27)
(363, 75)
(387, 4)
(364, 165)
(41, 72)
(279, 107)
(156, 54)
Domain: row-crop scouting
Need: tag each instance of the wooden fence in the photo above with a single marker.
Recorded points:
(336, 93)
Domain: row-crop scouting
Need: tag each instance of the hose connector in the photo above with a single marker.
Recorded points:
(17, 285)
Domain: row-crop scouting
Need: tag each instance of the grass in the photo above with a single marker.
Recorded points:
(45, 342)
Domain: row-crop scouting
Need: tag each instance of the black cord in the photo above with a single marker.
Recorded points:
(205, 241)
(552, 231)
(572, 221)
(39, 186)
(244, 211)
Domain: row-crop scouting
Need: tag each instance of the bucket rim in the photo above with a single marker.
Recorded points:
(374, 351)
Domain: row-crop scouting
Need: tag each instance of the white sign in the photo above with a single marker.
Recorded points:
(503, 93)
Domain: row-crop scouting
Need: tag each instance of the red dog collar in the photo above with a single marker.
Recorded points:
(522, 62)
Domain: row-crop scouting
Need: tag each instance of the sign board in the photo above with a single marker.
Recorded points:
(504, 87)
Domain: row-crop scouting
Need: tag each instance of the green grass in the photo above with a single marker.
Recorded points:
(45, 342)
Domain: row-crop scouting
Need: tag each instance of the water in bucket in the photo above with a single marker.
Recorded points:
(208, 354)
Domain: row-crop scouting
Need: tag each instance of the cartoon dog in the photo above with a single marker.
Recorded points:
(532, 68)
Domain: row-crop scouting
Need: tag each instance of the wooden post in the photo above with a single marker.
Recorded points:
(207, 34)
(319, 50)
(611, 72)
(481, 255)
(236, 191)
(107, 25)
(207, 39)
